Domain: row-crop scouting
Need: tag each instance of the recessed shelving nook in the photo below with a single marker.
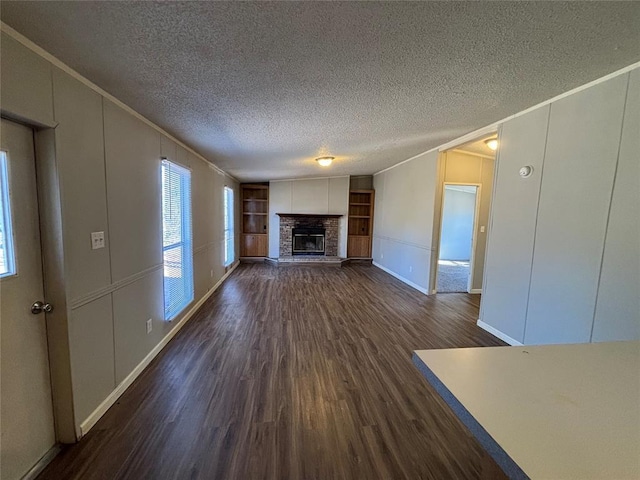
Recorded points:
(255, 220)
(360, 223)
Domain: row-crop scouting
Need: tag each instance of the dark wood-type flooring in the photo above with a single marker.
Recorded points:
(293, 373)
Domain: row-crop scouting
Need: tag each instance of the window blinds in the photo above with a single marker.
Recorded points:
(177, 243)
(7, 261)
(229, 237)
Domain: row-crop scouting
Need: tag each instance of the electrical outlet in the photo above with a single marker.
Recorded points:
(97, 240)
(410, 269)
(211, 273)
(149, 326)
(381, 256)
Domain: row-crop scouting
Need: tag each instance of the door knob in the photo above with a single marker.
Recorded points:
(39, 307)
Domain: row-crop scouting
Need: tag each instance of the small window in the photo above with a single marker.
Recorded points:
(229, 237)
(7, 258)
(177, 243)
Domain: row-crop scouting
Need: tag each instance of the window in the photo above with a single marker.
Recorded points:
(229, 237)
(7, 259)
(176, 238)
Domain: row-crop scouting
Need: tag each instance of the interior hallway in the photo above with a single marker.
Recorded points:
(292, 372)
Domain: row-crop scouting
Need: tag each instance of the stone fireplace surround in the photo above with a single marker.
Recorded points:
(289, 221)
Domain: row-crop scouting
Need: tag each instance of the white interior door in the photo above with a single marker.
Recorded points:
(26, 412)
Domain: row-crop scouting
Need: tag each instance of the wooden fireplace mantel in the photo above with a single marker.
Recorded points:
(313, 215)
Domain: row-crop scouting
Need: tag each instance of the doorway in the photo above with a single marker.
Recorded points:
(469, 166)
(26, 410)
(455, 259)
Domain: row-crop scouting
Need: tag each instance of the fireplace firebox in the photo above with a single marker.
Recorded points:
(308, 241)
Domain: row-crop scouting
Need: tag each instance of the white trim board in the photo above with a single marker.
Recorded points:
(401, 278)
(492, 128)
(91, 420)
(497, 333)
(117, 285)
(475, 291)
(415, 157)
(35, 48)
(473, 154)
(41, 464)
(404, 242)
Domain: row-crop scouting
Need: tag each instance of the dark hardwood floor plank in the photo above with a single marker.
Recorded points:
(293, 373)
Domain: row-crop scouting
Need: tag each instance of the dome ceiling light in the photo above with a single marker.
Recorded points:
(324, 161)
(492, 143)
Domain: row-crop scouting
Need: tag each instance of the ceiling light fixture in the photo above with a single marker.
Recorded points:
(324, 161)
(492, 143)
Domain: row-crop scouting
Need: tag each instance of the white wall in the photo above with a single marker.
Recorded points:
(617, 315)
(458, 213)
(563, 262)
(513, 220)
(316, 195)
(407, 213)
(403, 223)
(563, 246)
(106, 162)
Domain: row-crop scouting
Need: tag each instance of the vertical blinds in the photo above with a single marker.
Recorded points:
(177, 243)
(7, 261)
(229, 237)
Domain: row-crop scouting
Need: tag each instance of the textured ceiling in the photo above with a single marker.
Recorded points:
(262, 88)
(478, 146)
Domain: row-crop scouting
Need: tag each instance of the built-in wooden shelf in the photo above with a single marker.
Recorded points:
(254, 241)
(360, 228)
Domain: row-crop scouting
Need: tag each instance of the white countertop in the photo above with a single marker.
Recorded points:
(558, 411)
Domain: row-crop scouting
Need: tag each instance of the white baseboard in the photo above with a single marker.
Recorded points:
(499, 334)
(476, 291)
(41, 464)
(401, 278)
(120, 389)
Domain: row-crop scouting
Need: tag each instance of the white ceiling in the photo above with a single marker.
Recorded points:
(478, 146)
(262, 88)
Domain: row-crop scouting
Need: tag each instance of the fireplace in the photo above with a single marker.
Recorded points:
(308, 241)
(311, 234)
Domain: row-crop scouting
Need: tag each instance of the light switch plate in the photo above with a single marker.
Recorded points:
(482, 229)
(97, 240)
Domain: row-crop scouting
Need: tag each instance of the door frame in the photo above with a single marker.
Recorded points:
(474, 234)
(51, 244)
(439, 192)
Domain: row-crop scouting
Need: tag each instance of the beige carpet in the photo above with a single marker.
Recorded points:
(452, 276)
